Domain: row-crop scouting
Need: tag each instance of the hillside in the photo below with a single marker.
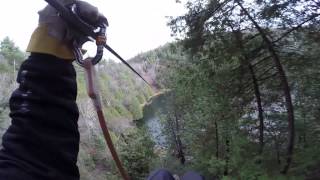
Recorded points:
(122, 94)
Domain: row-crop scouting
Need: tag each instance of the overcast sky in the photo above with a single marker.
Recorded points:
(135, 26)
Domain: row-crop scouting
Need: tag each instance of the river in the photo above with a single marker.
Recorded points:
(152, 113)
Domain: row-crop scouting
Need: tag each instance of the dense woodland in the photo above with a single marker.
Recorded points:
(245, 77)
(244, 82)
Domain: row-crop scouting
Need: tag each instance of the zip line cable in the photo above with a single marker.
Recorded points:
(125, 62)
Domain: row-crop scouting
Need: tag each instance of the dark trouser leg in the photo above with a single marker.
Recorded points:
(161, 174)
(191, 176)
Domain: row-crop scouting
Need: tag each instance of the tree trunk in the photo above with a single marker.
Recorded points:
(217, 139)
(175, 131)
(238, 36)
(304, 136)
(277, 151)
(285, 87)
(227, 158)
(259, 104)
(179, 143)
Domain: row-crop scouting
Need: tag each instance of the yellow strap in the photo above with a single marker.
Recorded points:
(41, 42)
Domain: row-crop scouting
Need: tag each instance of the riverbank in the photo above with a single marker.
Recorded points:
(151, 98)
(155, 109)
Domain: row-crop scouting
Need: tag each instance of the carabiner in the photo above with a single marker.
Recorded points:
(100, 42)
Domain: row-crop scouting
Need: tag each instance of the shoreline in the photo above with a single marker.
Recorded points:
(150, 99)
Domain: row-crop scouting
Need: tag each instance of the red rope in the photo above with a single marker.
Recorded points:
(93, 94)
(107, 137)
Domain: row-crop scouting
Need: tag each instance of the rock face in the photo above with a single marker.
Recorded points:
(153, 65)
(148, 72)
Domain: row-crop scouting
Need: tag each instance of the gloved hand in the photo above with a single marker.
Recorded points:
(53, 36)
(90, 14)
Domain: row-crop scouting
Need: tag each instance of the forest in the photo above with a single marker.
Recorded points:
(243, 79)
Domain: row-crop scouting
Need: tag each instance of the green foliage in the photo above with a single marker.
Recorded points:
(123, 111)
(122, 92)
(209, 73)
(141, 99)
(122, 95)
(137, 152)
(11, 52)
(135, 108)
(111, 112)
(4, 66)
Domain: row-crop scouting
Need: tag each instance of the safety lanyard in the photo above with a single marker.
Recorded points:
(93, 92)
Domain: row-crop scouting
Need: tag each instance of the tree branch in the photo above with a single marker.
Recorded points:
(295, 28)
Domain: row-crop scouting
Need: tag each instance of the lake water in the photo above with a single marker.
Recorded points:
(152, 114)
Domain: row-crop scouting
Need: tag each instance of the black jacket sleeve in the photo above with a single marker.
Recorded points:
(42, 142)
